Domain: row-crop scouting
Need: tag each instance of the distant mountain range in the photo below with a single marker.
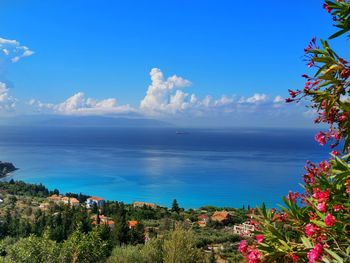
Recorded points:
(82, 121)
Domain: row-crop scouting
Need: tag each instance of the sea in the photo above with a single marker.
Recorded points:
(233, 167)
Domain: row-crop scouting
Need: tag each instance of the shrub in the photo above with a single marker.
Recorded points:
(314, 226)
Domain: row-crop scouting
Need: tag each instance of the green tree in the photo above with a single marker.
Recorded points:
(120, 231)
(33, 249)
(175, 207)
(179, 247)
(83, 248)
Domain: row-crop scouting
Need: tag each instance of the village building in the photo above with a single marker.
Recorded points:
(94, 200)
(70, 200)
(142, 204)
(103, 220)
(245, 229)
(203, 218)
(201, 224)
(221, 216)
(55, 198)
(132, 224)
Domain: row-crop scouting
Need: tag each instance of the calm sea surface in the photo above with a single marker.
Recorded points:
(202, 167)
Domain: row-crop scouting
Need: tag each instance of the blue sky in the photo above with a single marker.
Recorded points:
(107, 49)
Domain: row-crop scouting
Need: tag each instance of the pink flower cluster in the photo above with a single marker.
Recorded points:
(329, 220)
(251, 254)
(315, 253)
(312, 171)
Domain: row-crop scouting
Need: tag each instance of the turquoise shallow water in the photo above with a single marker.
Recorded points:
(203, 167)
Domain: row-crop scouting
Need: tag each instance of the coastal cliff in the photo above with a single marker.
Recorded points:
(6, 168)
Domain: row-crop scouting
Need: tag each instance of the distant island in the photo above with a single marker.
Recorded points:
(6, 168)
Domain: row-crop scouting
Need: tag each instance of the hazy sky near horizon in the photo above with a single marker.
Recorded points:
(204, 62)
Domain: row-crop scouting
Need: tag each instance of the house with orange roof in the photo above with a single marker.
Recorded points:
(203, 218)
(132, 224)
(142, 204)
(221, 216)
(201, 223)
(103, 220)
(94, 200)
(55, 198)
(70, 200)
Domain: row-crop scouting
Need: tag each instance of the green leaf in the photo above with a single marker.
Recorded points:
(334, 255)
(307, 243)
(339, 33)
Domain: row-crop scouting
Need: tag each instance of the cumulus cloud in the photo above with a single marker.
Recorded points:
(12, 51)
(278, 99)
(7, 103)
(256, 98)
(78, 104)
(165, 95)
(166, 98)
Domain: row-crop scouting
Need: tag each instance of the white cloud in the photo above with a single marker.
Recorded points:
(166, 99)
(164, 95)
(278, 99)
(13, 51)
(79, 105)
(256, 98)
(7, 103)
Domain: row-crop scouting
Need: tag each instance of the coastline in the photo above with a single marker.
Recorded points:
(6, 169)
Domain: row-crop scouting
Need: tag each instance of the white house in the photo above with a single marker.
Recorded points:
(94, 200)
(245, 229)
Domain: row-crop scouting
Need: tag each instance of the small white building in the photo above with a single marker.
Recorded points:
(1, 201)
(244, 229)
(94, 200)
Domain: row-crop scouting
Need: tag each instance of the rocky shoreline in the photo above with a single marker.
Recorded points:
(6, 168)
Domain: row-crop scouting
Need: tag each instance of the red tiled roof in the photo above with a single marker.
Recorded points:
(55, 197)
(140, 204)
(201, 223)
(70, 199)
(95, 198)
(132, 223)
(220, 216)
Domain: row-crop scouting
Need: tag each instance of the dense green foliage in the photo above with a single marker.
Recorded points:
(58, 232)
(22, 188)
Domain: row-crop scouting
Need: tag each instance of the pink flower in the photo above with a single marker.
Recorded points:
(259, 238)
(320, 138)
(321, 196)
(322, 207)
(254, 256)
(336, 153)
(342, 118)
(310, 230)
(327, 7)
(293, 196)
(315, 253)
(293, 93)
(329, 220)
(324, 165)
(243, 246)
